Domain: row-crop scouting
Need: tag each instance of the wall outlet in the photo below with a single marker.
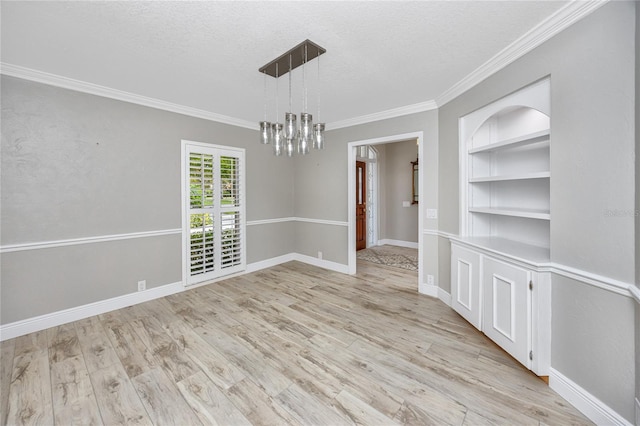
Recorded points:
(142, 285)
(319, 255)
(432, 213)
(430, 280)
(406, 204)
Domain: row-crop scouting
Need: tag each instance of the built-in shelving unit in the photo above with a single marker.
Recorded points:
(507, 170)
(499, 264)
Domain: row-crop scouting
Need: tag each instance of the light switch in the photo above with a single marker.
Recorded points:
(406, 204)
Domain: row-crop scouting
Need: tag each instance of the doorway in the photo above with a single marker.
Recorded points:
(352, 157)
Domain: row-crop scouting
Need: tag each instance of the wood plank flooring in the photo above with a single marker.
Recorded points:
(292, 344)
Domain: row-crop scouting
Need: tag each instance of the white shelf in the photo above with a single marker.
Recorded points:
(514, 212)
(537, 256)
(524, 176)
(527, 139)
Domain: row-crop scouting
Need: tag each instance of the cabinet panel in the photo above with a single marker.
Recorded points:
(465, 288)
(507, 307)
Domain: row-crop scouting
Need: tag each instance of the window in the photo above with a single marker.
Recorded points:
(213, 214)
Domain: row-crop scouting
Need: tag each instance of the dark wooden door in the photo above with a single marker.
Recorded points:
(361, 205)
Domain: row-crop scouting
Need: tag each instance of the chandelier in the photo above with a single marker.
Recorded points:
(288, 138)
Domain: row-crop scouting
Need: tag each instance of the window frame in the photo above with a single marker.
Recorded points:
(218, 151)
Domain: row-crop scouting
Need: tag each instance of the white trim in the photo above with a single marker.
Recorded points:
(384, 115)
(298, 219)
(435, 291)
(321, 263)
(145, 234)
(428, 290)
(596, 410)
(321, 221)
(635, 292)
(270, 221)
(351, 192)
(398, 243)
(268, 263)
(562, 19)
(86, 240)
(108, 92)
(637, 412)
(437, 233)
(605, 283)
(30, 325)
(444, 296)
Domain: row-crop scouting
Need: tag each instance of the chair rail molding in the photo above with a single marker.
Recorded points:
(8, 248)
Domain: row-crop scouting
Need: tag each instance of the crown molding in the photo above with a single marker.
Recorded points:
(383, 115)
(107, 92)
(562, 19)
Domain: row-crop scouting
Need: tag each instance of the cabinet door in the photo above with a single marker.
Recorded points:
(507, 307)
(465, 284)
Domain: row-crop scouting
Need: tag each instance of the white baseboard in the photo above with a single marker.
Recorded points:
(53, 319)
(326, 264)
(596, 410)
(444, 296)
(434, 291)
(268, 263)
(30, 325)
(399, 243)
(428, 289)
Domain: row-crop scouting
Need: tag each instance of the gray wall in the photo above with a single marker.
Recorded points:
(592, 174)
(321, 184)
(76, 165)
(400, 223)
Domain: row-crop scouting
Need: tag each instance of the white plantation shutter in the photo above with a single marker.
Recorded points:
(230, 216)
(214, 214)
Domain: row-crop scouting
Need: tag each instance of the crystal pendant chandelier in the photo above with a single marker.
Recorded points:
(266, 132)
(277, 134)
(290, 138)
(318, 128)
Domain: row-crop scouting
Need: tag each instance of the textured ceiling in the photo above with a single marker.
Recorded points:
(380, 54)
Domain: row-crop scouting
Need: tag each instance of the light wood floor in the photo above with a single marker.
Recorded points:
(293, 344)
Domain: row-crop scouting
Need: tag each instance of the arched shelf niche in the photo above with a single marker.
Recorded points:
(506, 171)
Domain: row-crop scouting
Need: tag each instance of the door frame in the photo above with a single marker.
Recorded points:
(351, 192)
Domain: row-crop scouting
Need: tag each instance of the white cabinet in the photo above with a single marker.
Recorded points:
(508, 300)
(465, 284)
(507, 307)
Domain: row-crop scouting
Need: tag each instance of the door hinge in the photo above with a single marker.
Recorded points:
(531, 355)
(530, 285)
